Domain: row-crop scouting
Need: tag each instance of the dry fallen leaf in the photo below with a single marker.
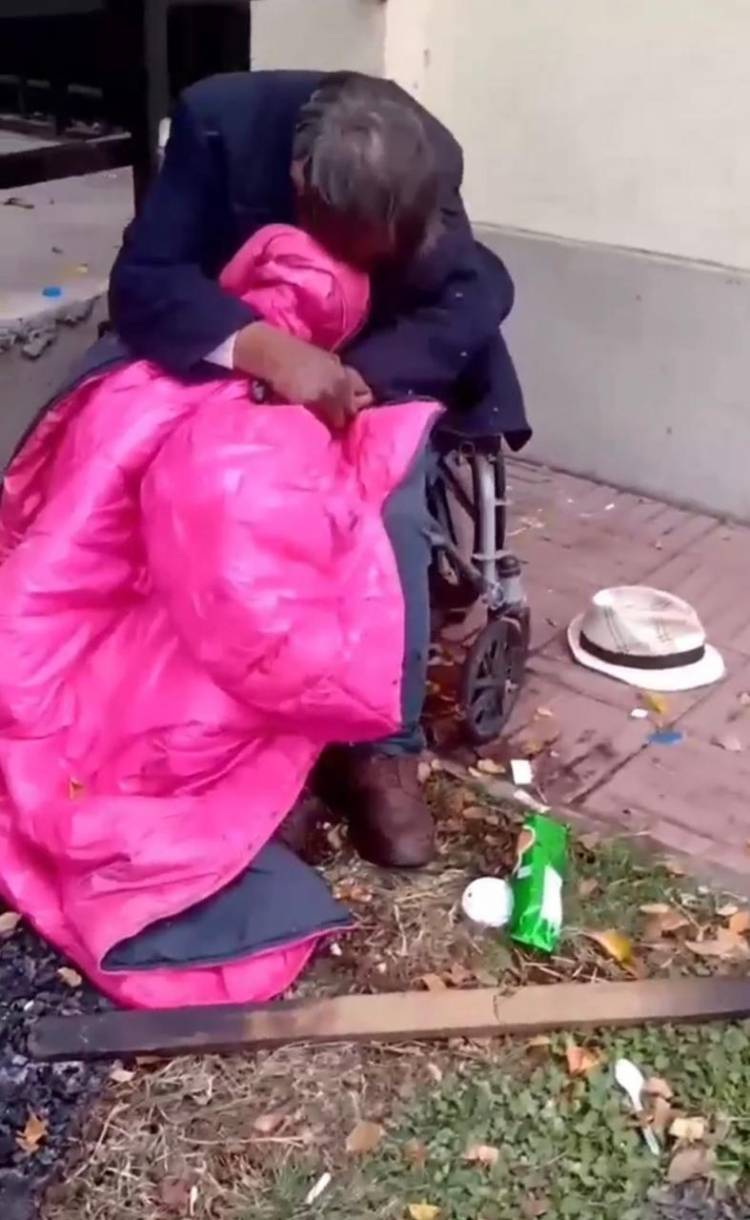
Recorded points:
(673, 922)
(456, 798)
(487, 978)
(459, 975)
(532, 1209)
(655, 908)
(726, 945)
(590, 842)
(580, 1060)
(488, 766)
(482, 1154)
(655, 703)
(435, 1072)
(729, 742)
(539, 1041)
(121, 1075)
(433, 982)
(674, 868)
(587, 887)
(175, 1194)
(665, 924)
(729, 909)
(423, 1211)
(415, 1153)
(661, 1115)
(266, 1124)
(71, 978)
(424, 771)
(615, 944)
(690, 1163)
(532, 748)
(473, 813)
(545, 712)
(689, 1130)
(655, 1086)
(33, 1133)
(335, 837)
(653, 932)
(364, 1138)
(739, 923)
(353, 892)
(9, 921)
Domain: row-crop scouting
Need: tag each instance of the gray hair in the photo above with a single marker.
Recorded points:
(366, 158)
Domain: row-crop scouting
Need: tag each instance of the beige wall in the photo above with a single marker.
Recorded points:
(614, 126)
(325, 34)
(408, 38)
(617, 121)
(596, 120)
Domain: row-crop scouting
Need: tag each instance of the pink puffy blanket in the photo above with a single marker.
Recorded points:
(197, 594)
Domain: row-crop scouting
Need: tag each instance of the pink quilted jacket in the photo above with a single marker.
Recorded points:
(197, 594)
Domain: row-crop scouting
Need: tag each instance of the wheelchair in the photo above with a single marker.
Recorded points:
(466, 499)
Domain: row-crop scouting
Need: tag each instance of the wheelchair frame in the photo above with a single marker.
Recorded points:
(467, 505)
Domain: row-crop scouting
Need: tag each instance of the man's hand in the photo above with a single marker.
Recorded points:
(300, 372)
(361, 393)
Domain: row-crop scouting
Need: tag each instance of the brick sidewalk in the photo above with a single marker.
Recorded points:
(575, 537)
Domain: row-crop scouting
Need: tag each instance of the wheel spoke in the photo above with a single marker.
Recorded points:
(484, 707)
(489, 683)
(493, 677)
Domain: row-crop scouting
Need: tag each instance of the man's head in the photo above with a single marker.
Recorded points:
(364, 171)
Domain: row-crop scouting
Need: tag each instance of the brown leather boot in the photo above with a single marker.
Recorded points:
(381, 799)
(300, 824)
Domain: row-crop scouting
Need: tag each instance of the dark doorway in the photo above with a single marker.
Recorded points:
(84, 83)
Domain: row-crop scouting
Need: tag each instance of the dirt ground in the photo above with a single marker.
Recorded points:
(245, 1137)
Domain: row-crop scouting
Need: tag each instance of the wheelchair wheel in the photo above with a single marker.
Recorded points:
(493, 675)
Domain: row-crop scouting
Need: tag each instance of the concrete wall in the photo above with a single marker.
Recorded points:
(594, 131)
(597, 120)
(65, 237)
(27, 384)
(611, 127)
(325, 34)
(636, 369)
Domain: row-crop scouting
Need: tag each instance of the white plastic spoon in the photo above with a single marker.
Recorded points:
(631, 1081)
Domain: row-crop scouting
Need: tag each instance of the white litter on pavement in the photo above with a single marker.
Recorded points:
(488, 901)
(521, 772)
(320, 1187)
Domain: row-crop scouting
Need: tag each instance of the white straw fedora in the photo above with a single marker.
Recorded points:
(646, 638)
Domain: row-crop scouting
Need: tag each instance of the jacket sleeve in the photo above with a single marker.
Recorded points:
(449, 308)
(163, 304)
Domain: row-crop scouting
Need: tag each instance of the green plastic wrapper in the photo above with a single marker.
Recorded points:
(537, 884)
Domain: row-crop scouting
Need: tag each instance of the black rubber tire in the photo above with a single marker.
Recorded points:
(493, 675)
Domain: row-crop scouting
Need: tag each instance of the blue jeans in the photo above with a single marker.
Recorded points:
(406, 522)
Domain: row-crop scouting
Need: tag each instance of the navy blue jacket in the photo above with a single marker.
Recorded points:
(226, 173)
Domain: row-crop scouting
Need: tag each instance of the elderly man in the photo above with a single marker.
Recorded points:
(376, 180)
